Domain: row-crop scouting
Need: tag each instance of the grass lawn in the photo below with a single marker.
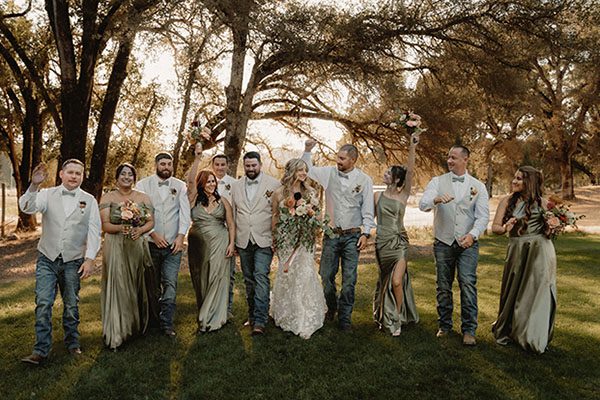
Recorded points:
(366, 364)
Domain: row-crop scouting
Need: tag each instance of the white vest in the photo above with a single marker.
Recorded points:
(62, 234)
(456, 218)
(166, 212)
(344, 205)
(254, 218)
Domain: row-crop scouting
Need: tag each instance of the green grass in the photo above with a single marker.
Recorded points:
(366, 364)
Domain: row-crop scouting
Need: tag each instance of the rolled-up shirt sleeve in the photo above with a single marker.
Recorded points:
(368, 207)
(93, 236)
(482, 213)
(32, 201)
(426, 204)
(185, 215)
(319, 174)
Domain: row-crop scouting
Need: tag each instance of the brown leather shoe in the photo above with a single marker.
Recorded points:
(75, 352)
(469, 340)
(34, 359)
(258, 330)
(441, 333)
(169, 332)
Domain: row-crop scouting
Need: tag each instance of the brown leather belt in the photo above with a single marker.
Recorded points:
(340, 231)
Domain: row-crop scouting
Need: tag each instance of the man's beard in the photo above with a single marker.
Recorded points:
(252, 174)
(164, 174)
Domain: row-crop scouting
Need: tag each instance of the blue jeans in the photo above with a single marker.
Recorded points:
(50, 275)
(449, 259)
(340, 247)
(256, 265)
(162, 285)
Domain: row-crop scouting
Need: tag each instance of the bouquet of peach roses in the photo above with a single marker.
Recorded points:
(558, 217)
(131, 216)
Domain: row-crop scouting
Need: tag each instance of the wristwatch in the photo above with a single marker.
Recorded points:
(367, 235)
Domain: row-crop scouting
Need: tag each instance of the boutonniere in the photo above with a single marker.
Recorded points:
(357, 189)
(228, 187)
(173, 192)
(82, 205)
(268, 194)
(473, 193)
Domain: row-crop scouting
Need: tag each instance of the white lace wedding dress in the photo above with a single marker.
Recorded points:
(297, 300)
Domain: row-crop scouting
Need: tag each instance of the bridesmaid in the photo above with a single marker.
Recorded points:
(125, 256)
(528, 293)
(210, 245)
(394, 303)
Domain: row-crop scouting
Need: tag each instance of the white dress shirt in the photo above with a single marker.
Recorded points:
(252, 187)
(460, 191)
(354, 177)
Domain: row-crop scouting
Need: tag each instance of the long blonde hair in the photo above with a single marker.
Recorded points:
(289, 172)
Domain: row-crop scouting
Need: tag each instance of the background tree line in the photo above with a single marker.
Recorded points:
(517, 81)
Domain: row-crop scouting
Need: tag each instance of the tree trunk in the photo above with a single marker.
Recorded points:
(566, 178)
(95, 180)
(138, 147)
(234, 135)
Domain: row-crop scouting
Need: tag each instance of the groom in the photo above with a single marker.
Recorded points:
(251, 199)
(461, 213)
(172, 219)
(349, 204)
(67, 248)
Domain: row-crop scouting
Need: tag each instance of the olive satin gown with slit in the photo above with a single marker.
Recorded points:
(209, 268)
(528, 292)
(124, 303)
(391, 246)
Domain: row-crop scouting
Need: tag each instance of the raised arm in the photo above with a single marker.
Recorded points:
(410, 168)
(498, 227)
(31, 201)
(190, 177)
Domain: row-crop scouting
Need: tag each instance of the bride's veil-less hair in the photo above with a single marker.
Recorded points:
(289, 173)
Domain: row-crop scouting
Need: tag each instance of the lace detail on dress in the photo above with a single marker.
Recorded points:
(297, 301)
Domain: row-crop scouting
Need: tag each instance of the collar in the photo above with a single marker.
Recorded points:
(63, 187)
(257, 179)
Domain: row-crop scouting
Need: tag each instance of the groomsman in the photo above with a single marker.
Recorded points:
(349, 204)
(251, 196)
(67, 248)
(172, 219)
(461, 213)
(219, 165)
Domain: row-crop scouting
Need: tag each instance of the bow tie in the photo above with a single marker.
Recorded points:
(251, 182)
(458, 179)
(163, 183)
(67, 193)
(342, 175)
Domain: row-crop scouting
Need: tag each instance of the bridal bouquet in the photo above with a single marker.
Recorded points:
(299, 224)
(131, 215)
(199, 134)
(410, 121)
(558, 217)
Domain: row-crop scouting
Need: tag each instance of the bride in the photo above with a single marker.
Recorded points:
(297, 303)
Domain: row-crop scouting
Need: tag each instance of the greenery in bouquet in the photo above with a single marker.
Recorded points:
(300, 222)
(408, 120)
(199, 134)
(558, 217)
(132, 215)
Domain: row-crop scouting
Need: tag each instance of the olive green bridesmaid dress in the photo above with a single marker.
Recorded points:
(391, 246)
(209, 269)
(528, 293)
(124, 300)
